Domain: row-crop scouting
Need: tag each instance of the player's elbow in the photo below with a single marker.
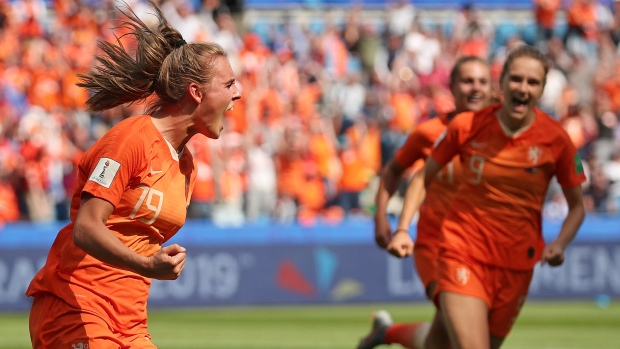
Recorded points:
(81, 234)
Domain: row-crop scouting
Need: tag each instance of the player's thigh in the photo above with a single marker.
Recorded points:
(509, 299)
(466, 320)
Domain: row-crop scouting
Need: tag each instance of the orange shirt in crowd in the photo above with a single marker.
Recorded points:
(307, 100)
(582, 13)
(545, 11)
(495, 216)
(291, 175)
(418, 147)
(270, 108)
(405, 111)
(356, 173)
(368, 143)
(45, 89)
(204, 189)
(324, 153)
(73, 96)
(142, 176)
(9, 208)
(238, 116)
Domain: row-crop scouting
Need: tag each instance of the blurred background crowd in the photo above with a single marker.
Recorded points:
(325, 103)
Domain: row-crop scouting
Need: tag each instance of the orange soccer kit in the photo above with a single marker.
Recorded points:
(77, 298)
(492, 234)
(418, 146)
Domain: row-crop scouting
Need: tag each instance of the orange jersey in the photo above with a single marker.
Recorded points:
(418, 146)
(545, 12)
(495, 216)
(135, 169)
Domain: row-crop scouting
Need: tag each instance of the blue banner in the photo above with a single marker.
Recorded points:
(323, 263)
(318, 273)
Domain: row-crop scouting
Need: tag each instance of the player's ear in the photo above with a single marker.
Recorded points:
(194, 91)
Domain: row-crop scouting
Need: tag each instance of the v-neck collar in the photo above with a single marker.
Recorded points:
(173, 152)
(510, 133)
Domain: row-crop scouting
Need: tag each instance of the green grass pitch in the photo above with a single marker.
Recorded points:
(542, 325)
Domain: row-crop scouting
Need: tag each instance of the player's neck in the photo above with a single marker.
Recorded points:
(172, 128)
(514, 127)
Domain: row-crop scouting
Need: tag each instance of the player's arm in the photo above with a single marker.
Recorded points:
(554, 252)
(401, 244)
(387, 187)
(431, 169)
(91, 234)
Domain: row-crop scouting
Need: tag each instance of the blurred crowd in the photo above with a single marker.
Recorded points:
(324, 105)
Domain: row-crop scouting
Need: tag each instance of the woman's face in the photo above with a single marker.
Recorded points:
(522, 86)
(218, 97)
(472, 87)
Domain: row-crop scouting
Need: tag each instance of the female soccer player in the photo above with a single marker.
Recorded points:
(134, 186)
(492, 235)
(470, 83)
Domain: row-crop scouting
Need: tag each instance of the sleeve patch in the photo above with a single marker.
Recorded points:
(578, 164)
(105, 172)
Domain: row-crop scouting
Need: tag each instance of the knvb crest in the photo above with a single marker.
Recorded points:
(462, 275)
(534, 154)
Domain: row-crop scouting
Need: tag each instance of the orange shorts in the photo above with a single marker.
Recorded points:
(425, 257)
(56, 324)
(503, 290)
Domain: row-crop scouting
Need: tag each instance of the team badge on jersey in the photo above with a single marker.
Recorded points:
(462, 275)
(534, 154)
(105, 171)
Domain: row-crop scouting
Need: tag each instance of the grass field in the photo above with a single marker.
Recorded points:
(571, 325)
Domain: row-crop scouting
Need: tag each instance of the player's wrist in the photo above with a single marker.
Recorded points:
(401, 231)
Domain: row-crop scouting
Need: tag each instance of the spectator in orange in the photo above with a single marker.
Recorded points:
(492, 236)
(133, 190)
(203, 197)
(545, 12)
(356, 172)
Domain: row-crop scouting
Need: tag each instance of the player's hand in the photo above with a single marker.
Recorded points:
(167, 263)
(553, 254)
(401, 245)
(383, 231)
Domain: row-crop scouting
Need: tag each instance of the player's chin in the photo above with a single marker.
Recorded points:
(474, 106)
(213, 133)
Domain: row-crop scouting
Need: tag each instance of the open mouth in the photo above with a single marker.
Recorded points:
(474, 99)
(519, 104)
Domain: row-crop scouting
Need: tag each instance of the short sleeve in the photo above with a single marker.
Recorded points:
(413, 149)
(448, 144)
(569, 168)
(112, 164)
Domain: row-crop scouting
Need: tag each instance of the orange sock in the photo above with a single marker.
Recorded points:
(402, 333)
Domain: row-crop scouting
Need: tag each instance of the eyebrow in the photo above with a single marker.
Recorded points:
(231, 81)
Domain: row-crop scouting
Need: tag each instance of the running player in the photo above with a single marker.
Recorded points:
(133, 190)
(492, 235)
(470, 83)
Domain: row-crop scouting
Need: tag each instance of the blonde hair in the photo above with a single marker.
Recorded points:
(163, 64)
